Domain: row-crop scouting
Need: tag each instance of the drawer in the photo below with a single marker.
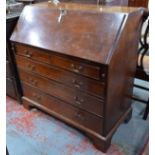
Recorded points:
(91, 86)
(138, 3)
(61, 108)
(75, 66)
(32, 53)
(67, 94)
(68, 63)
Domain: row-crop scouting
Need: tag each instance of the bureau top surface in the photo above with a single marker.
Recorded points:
(83, 33)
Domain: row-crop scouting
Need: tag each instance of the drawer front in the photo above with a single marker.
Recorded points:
(70, 64)
(72, 96)
(79, 116)
(93, 87)
(138, 3)
(76, 67)
(32, 53)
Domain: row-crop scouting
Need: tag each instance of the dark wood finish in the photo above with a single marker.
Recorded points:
(98, 2)
(90, 7)
(12, 82)
(122, 72)
(90, 43)
(68, 78)
(131, 3)
(59, 61)
(100, 143)
(72, 96)
(8, 69)
(45, 52)
(138, 3)
(80, 116)
(11, 88)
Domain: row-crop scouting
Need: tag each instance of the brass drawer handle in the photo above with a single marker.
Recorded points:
(79, 116)
(77, 84)
(28, 54)
(76, 69)
(78, 100)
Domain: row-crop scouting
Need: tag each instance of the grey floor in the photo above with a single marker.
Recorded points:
(34, 133)
(133, 136)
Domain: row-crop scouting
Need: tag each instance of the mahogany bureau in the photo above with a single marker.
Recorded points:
(77, 63)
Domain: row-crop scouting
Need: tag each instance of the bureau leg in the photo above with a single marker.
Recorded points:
(128, 118)
(100, 144)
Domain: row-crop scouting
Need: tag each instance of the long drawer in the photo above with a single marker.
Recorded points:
(71, 64)
(91, 86)
(67, 94)
(61, 108)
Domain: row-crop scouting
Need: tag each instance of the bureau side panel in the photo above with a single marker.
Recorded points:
(121, 70)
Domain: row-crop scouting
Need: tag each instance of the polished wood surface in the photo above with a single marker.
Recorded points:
(88, 34)
(73, 64)
(83, 65)
(88, 7)
(123, 71)
(100, 3)
(70, 95)
(138, 3)
(58, 106)
(88, 85)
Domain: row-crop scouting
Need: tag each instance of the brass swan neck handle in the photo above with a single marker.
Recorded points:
(63, 12)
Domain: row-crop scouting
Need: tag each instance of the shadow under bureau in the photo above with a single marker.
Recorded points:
(78, 64)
